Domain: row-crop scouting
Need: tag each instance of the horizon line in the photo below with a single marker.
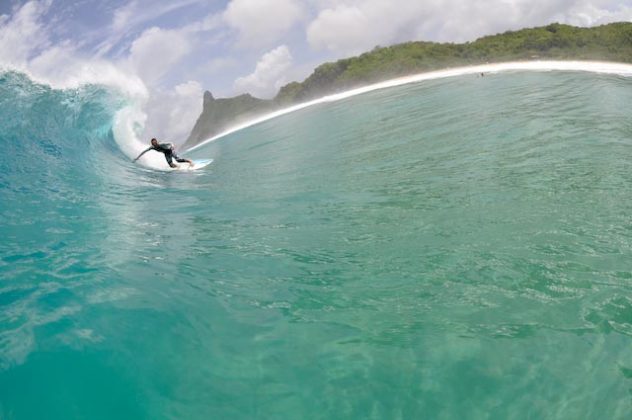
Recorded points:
(603, 67)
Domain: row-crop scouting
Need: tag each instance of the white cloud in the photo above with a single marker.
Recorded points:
(62, 67)
(262, 22)
(209, 23)
(588, 14)
(164, 57)
(25, 45)
(353, 26)
(269, 75)
(123, 16)
(172, 113)
(129, 17)
(156, 51)
(22, 35)
(217, 65)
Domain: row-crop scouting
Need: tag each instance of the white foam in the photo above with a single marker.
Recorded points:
(78, 73)
(580, 66)
(128, 122)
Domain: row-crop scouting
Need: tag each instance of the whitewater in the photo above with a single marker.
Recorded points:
(585, 66)
(438, 246)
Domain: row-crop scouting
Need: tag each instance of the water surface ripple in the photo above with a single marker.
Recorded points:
(458, 248)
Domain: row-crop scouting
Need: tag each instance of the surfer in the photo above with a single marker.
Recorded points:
(169, 151)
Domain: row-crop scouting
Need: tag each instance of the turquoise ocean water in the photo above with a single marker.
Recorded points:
(453, 249)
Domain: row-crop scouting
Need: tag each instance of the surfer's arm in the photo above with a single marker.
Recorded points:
(144, 151)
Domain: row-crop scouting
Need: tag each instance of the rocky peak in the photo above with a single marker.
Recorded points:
(208, 98)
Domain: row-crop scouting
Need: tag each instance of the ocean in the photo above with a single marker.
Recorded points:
(449, 247)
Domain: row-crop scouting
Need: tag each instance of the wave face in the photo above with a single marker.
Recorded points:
(457, 248)
(575, 66)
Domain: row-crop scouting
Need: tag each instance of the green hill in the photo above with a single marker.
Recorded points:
(612, 42)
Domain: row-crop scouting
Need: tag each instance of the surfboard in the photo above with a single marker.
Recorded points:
(197, 164)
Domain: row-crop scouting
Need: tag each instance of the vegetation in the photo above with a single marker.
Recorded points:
(611, 42)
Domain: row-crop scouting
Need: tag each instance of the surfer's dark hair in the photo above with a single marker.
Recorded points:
(154, 139)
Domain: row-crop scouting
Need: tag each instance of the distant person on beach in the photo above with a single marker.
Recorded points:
(169, 151)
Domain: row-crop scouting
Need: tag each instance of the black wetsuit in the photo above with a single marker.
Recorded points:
(168, 150)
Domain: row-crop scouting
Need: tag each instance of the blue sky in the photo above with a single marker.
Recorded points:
(179, 48)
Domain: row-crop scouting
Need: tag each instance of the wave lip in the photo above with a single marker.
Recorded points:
(541, 65)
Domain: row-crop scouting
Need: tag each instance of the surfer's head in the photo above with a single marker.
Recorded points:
(154, 142)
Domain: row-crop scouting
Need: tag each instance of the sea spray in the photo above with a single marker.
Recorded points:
(581, 66)
(129, 120)
(457, 248)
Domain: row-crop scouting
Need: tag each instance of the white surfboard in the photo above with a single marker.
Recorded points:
(197, 164)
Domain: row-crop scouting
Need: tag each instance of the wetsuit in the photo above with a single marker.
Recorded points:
(168, 150)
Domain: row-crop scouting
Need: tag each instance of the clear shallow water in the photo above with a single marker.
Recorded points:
(458, 248)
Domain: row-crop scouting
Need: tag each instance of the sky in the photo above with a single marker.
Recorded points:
(176, 49)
